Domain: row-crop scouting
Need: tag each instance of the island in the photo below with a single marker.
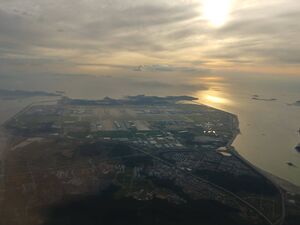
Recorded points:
(297, 103)
(298, 147)
(141, 160)
(258, 98)
(8, 94)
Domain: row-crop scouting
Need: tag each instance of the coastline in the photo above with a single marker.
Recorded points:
(286, 184)
(279, 185)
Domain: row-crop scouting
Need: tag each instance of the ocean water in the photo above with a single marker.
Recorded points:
(269, 129)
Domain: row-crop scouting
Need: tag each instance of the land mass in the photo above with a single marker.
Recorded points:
(15, 94)
(257, 97)
(297, 103)
(138, 160)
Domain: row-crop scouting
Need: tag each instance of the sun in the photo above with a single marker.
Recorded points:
(217, 11)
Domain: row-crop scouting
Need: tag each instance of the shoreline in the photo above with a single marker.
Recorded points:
(265, 175)
(268, 174)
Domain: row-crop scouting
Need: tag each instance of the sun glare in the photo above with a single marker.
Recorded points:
(215, 99)
(217, 11)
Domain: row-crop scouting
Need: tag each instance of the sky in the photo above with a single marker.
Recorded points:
(133, 36)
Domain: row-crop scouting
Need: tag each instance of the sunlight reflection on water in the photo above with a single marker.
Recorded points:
(215, 96)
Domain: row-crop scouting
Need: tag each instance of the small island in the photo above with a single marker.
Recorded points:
(258, 98)
(297, 103)
(298, 147)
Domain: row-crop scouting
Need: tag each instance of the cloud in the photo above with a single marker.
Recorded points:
(150, 68)
(168, 68)
(162, 35)
(263, 34)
